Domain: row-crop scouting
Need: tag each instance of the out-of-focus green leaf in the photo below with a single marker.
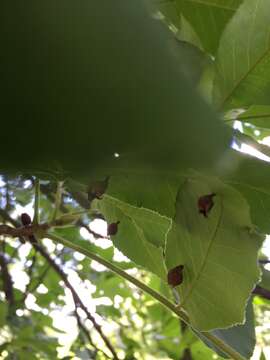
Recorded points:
(111, 286)
(211, 250)
(243, 58)
(191, 59)
(108, 311)
(201, 352)
(129, 95)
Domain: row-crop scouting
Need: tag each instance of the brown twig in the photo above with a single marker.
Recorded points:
(91, 232)
(23, 231)
(77, 300)
(261, 292)
(264, 261)
(85, 331)
(46, 191)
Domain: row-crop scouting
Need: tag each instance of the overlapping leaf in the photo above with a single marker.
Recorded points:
(250, 176)
(155, 191)
(141, 233)
(259, 200)
(219, 254)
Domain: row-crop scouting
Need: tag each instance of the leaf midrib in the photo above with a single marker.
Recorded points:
(241, 79)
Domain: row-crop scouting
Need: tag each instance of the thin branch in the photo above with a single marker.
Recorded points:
(46, 191)
(261, 292)
(7, 218)
(90, 231)
(58, 199)
(59, 271)
(87, 334)
(37, 200)
(83, 329)
(23, 231)
(77, 300)
(263, 262)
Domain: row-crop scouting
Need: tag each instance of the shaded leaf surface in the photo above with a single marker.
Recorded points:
(116, 97)
(155, 191)
(259, 201)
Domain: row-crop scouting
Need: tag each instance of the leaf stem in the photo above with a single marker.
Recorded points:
(164, 301)
(58, 199)
(37, 200)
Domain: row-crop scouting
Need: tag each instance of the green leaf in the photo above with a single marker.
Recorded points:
(250, 176)
(141, 233)
(259, 201)
(243, 58)
(258, 115)
(108, 311)
(219, 253)
(208, 18)
(155, 191)
(241, 338)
